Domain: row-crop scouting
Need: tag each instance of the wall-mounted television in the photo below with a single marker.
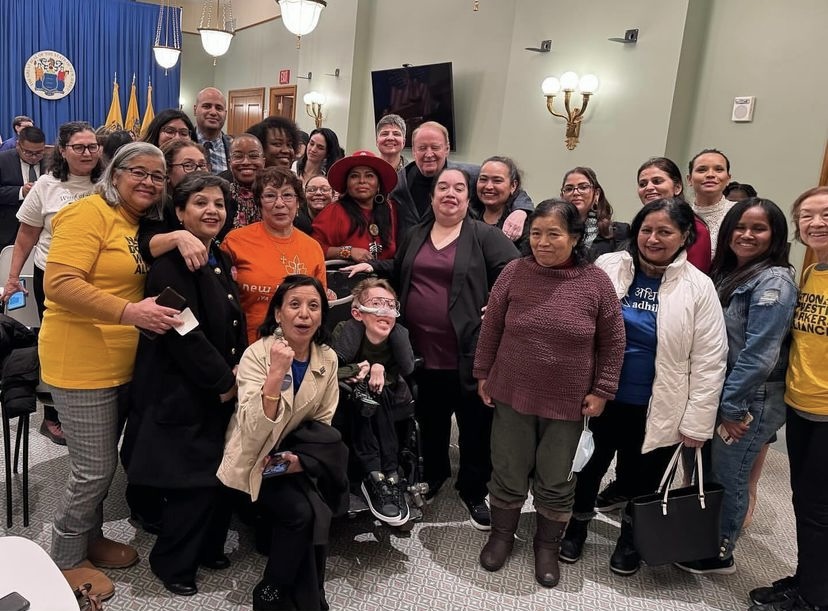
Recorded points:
(416, 93)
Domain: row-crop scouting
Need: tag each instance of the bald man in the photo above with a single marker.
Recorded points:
(210, 114)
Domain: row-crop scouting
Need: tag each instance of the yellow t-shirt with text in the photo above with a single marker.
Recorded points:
(807, 379)
(76, 351)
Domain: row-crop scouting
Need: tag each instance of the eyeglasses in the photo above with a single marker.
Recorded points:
(382, 302)
(141, 175)
(80, 149)
(271, 198)
(239, 156)
(191, 166)
(318, 189)
(581, 188)
(28, 153)
(173, 131)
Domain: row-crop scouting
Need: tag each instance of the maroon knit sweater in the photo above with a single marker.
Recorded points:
(549, 338)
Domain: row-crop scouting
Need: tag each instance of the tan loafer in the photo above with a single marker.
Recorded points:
(108, 554)
(102, 585)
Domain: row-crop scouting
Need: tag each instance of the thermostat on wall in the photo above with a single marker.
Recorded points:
(743, 108)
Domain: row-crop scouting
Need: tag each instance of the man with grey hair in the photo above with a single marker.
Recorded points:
(430, 146)
(18, 123)
(391, 131)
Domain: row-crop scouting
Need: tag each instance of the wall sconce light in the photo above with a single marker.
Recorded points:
(314, 101)
(586, 85)
(215, 38)
(167, 48)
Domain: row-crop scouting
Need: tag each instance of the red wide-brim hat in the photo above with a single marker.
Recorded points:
(338, 172)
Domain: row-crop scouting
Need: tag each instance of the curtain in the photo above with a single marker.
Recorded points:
(100, 38)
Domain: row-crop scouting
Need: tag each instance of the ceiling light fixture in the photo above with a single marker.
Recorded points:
(167, 51)
(301, 16)
(216, 36)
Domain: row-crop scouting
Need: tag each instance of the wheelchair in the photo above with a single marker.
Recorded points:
(410, 459)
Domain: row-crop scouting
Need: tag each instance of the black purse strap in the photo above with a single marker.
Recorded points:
(670, 474)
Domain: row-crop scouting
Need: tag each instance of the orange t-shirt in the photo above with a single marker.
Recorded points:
(261, 261)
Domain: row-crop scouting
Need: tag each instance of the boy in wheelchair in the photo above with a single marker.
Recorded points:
(374, 356)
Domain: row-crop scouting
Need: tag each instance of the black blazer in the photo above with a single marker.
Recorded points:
(175, 428)
(11, 179)
(482, 253)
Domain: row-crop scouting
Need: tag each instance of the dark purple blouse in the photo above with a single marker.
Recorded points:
(427, 307)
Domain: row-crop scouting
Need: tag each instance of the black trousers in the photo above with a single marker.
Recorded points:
(374, 438)
(194, 524)
(49, 411)
(295, 563)
(808, 454)
(620, 429)
(441, 394)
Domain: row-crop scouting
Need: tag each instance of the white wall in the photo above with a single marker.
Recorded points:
(626, 122)
(391, 33)
(775, 51)
(196, 71)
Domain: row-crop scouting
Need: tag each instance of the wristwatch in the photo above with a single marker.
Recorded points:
(345, 252)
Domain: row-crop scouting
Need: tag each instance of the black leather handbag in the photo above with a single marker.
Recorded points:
(678, 525)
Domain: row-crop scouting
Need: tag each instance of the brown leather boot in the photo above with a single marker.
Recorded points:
(501, 538)
(102, 585)
(108, 554)
(547, 545)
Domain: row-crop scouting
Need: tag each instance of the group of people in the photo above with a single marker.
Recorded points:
(532, 322)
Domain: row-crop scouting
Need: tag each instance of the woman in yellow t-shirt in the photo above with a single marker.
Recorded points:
(807, 422)
(264, 253)
(94, 284)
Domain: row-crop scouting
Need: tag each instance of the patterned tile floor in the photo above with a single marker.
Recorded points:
(435, 565)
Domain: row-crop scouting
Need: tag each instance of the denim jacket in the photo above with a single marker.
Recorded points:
(758, 320)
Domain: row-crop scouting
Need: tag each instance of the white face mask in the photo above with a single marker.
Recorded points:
(586, 446)
(383, 311)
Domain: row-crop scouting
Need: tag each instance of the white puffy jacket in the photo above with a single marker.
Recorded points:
(691, 355)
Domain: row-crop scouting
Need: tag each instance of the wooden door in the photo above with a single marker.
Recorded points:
(283, 102)
(245, 108)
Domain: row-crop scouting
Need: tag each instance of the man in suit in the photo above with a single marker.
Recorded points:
(19, 122)
(20, 167)
(430, 146)
(210, 113)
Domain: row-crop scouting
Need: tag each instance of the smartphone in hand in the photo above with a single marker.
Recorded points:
(169, 298)
(277, 464)
(18, 300)
(722, 431)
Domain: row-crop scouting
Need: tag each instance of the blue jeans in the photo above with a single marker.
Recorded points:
(732, 463)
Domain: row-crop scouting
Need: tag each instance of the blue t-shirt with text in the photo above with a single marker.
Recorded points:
(639, 308)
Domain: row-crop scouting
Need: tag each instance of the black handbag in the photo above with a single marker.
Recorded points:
(678, 525)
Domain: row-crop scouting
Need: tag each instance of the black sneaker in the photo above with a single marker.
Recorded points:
(271, 597)
(479, 514)
(796, 603)
(709, 566)
(572, 545)
(609, 498)
(381, 498)
(399, 490)
(779, 591)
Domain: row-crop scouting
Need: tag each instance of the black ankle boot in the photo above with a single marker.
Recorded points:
(572, 545)
(625, 559)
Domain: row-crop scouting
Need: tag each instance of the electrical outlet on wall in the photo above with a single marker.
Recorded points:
(743, 106)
